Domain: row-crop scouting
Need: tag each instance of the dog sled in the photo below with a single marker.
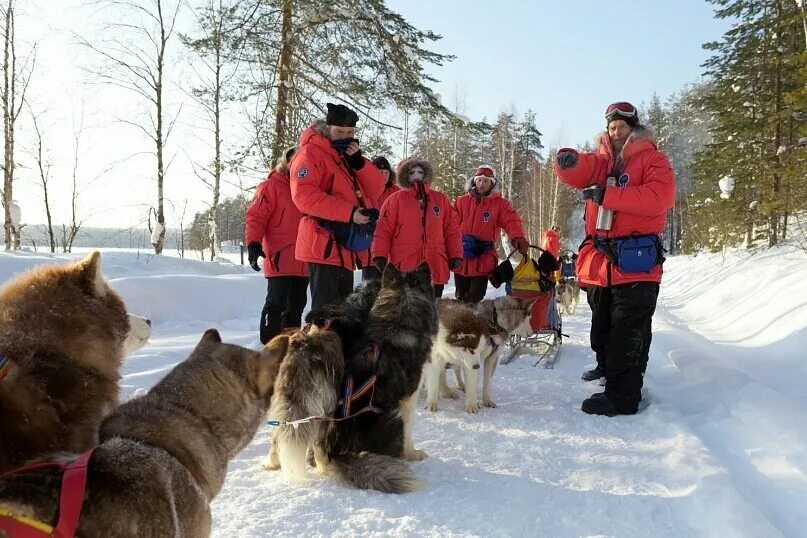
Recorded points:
(532, 279)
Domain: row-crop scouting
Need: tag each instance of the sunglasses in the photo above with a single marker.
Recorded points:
(620, 110)
(484, 172)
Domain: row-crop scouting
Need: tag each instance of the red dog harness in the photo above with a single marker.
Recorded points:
(71, 498)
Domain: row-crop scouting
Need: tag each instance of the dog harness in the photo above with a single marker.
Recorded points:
(71, 498)
(5, 366)
(350, 397)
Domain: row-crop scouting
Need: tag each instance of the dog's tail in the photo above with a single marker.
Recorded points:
(375, 471)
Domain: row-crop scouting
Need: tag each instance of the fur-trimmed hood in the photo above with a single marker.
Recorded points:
(406, 165)
(469, 184)
(640, 133)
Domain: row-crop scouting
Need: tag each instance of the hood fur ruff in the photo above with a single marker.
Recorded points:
(406, 165)
(639, 133)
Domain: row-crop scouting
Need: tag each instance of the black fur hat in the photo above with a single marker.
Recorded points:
(341, 116)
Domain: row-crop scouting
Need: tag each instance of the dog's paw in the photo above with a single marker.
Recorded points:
(431, 406)
(472, 408)
(413, 454)
(321, 469)
(488, 403)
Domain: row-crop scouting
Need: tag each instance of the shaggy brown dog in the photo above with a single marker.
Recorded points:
(63, 335)
(163, 456)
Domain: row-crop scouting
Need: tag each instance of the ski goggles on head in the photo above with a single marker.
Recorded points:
(484, 171)
(620, 110)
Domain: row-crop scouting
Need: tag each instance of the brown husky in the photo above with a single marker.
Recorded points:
(63, 337)
(163, 456)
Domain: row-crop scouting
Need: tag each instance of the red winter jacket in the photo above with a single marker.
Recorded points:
(645, 191)
(551, 242)
(322, 186)
(407, 234)
(272, 220)
(484, 218)
(389, 190)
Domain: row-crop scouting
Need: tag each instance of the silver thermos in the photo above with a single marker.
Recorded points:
(605, 217)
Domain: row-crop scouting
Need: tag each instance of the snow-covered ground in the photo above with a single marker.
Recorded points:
(719, 451)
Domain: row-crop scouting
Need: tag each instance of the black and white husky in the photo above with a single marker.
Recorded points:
(367, 390)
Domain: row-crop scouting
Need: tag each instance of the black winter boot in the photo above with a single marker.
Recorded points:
(603, 404)
(591, 375)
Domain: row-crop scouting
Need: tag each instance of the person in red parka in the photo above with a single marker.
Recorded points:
(418, 224)
(551, 242)
(390, 187)
(483, 213)
(331, 183)
(620, 259)
(271, 232)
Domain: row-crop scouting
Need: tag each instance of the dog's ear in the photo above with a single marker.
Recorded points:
(211, 336)
(391, 276)
(527, 304)
(89, 273)
(422, 276)
(270, 358)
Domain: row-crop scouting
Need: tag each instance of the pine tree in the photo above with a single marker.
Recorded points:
(754, 80)
(356, 51)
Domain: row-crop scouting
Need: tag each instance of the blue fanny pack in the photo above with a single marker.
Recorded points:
(634, 254)
(473, 247)
(353, 237)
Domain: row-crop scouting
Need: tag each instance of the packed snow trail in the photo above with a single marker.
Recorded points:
(719, 450)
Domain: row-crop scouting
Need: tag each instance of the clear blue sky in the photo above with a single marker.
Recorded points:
(564, 59)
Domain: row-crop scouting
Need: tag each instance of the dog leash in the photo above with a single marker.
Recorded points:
(349, 396)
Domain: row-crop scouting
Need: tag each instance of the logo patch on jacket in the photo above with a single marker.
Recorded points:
(623, 180)
(485, 216)
(302, 172)
(436, 209)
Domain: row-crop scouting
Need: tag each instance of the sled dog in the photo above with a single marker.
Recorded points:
(364, 392)
(63, 337)
(472, 337)
(163, 456)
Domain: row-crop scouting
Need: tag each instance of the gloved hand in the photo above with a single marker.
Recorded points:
(595, 194)
(521, 245)
(380, 263)
(355, 161)
(454, 263)
(567, 159)
(254, 251)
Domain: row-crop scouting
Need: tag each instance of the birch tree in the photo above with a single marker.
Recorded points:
(132, 55)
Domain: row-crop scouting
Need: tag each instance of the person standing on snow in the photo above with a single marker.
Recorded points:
(628, 186)
(551, 241)
(483, 213)
(371, 271)
(330, 184)
(418, 224)
(271, 232)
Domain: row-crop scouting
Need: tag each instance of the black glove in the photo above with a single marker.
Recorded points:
(595, 194)
(454, 263)
(567, 159)
(255, 250)
(380, 263)
(355, 161)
